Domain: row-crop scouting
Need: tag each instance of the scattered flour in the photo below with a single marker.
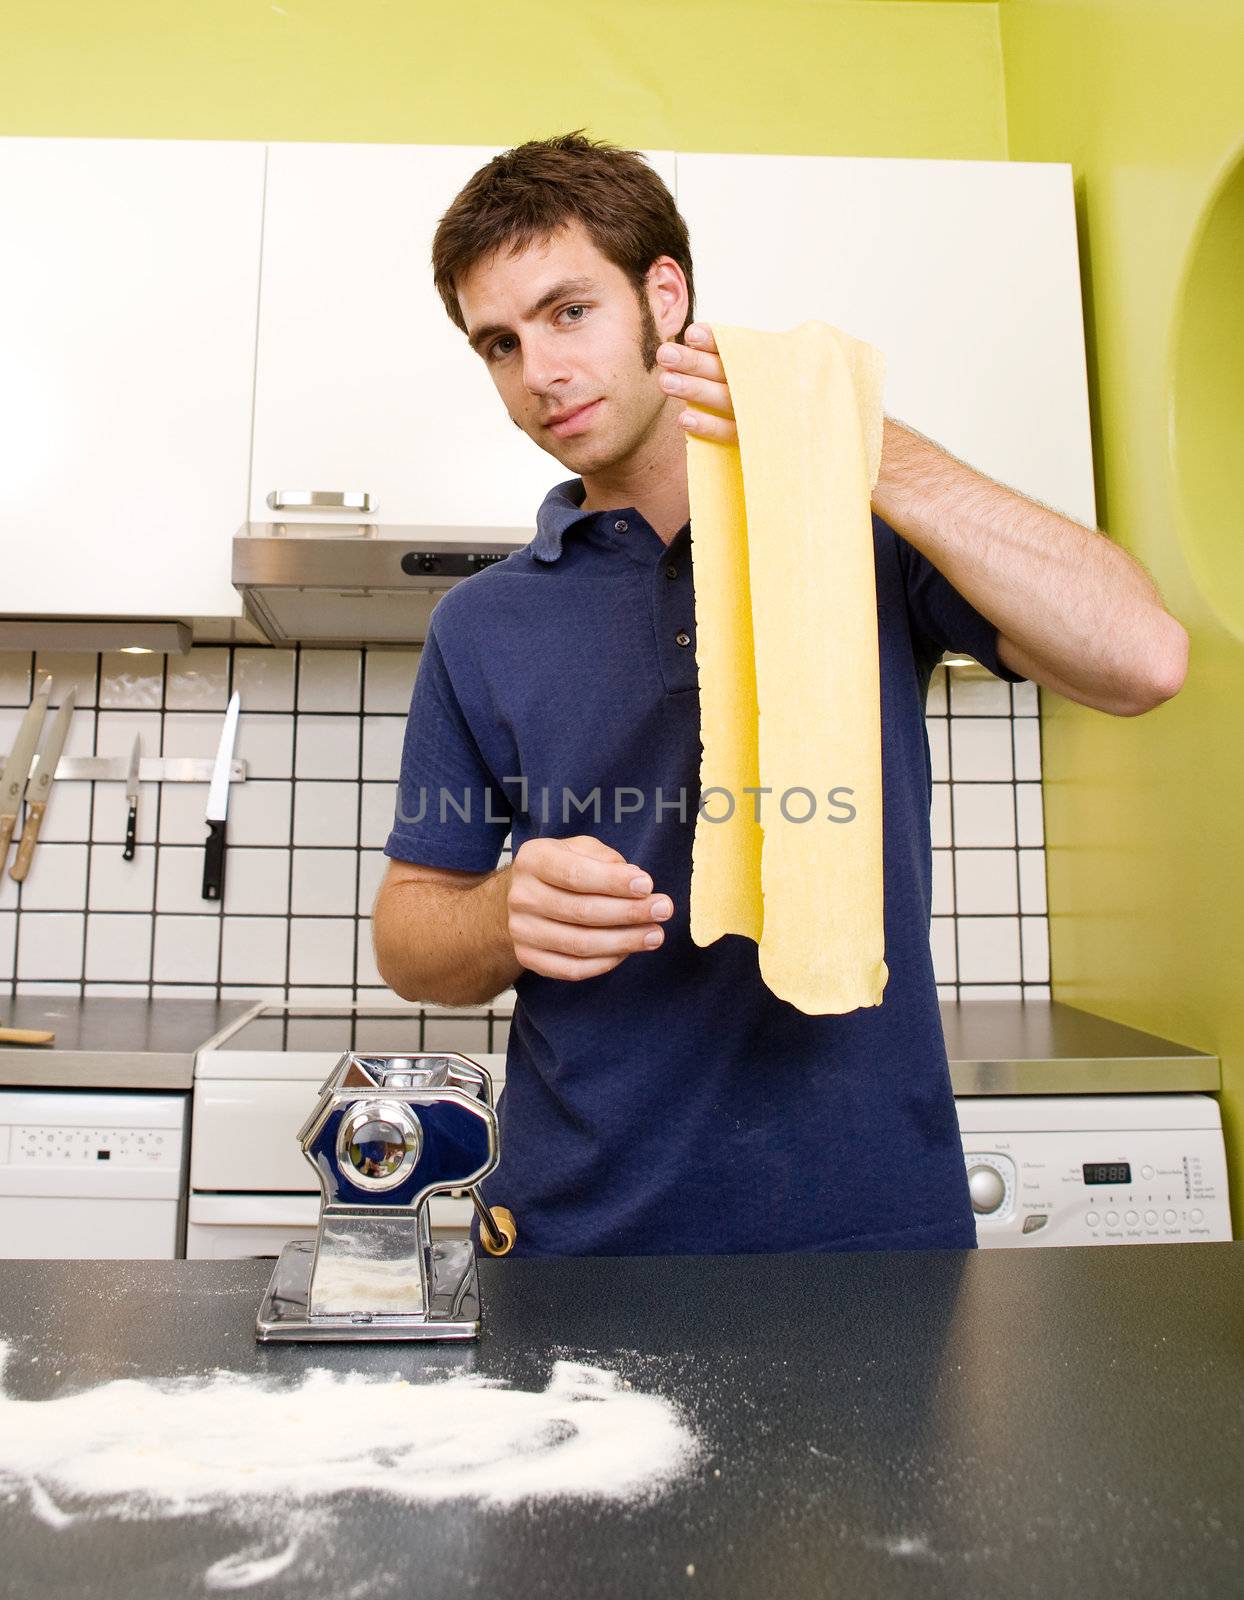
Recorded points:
(241, 1444)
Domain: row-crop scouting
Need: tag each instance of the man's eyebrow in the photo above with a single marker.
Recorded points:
(558, 292)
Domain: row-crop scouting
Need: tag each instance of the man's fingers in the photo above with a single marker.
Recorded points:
(592, 910)
(567, 968)
(699, 392)
(587, 943)
(705, 426)
(583, 865)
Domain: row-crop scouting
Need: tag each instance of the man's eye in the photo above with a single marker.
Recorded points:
(495, 348)
(576, 308)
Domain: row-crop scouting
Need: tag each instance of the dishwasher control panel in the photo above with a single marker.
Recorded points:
(1102, 1169)
(55, 1145)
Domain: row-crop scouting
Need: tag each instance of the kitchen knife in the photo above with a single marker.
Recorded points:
(17, 767)
(131, 794)
(218, 806)
(40, 786)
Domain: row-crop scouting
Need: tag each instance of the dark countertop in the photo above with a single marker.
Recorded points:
(930, 1424)
(111, 1042)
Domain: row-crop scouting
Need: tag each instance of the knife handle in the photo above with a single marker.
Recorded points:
(131, 826)
(214, 861)
(30, 837)
(7, 824)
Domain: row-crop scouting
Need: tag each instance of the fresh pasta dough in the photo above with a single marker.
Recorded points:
(786, 646)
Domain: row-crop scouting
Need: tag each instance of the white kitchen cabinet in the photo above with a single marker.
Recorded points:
(363, 384)
(964, 273)
(128, 285)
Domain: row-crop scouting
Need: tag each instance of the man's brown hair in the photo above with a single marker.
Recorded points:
(529, 193)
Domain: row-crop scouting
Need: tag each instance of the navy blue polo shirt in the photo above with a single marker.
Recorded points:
(676, 1104)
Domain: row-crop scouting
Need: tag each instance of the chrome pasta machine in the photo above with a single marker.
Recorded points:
(387, 1133)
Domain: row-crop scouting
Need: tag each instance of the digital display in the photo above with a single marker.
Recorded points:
(1113, 1172)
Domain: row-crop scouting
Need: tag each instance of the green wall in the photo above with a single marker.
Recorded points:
(1142, 97)
(861, 77)
(1144, 817)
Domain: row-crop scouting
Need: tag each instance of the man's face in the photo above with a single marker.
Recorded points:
(560, 328)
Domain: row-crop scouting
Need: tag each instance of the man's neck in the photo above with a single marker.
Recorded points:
(655, 484)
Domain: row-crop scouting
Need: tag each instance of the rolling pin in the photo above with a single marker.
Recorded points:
(25, 1036)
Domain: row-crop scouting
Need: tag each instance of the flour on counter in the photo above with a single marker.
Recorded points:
(141, 1449)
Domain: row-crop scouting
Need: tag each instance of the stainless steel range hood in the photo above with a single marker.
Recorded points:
(357, 583)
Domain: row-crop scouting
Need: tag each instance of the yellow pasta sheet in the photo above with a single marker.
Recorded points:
(786, 645)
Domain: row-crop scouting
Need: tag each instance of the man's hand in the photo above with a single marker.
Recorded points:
(573, 911)
(694, 373)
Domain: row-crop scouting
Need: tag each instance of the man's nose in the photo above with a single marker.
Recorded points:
(543, 367)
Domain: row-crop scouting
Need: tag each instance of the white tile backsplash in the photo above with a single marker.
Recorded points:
(264, 679)
(135, 682)
(265, 741)
(66, 668)
(389, 680)
(308, 826)
(120, 885)
(326, 814)
(321, 949)
(49, 945)
(68, 816)
(988, 950)
(330, 680)
(191, 733)
(179, 882)
(986, 882)
(382, 747)
(118, 948)
(980, 749)
(198, 681)
(327, 747)
(984, 813)
(259, 812)
(324, 883)
(257, 881)
(254, 950)
(187, 949)
(57, 879)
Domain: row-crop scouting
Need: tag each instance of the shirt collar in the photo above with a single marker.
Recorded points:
(558, 513)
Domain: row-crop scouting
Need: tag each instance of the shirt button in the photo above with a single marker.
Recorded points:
(671, 571)
(619, 526)
(682, 638)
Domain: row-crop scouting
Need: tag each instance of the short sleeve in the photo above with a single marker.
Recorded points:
(942, 618)
(450, 810)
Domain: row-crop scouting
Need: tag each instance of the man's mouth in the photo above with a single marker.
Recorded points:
(571, 421)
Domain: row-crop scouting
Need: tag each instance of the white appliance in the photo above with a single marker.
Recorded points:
(1043, 1169)
(1095, 1169)
(251, 1190)
(91, 1175)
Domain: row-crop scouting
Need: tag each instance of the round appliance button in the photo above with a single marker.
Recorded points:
(1169, 1216)
(1131, 1219)
(1196, 1215)
(1092, 1219)
(1146, 1172)
(987, 1189)
(1112, 1218)
(1151, 1217)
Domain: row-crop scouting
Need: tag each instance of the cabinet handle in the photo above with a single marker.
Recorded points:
(320, 500)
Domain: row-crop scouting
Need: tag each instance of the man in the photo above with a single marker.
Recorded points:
(659, 1098)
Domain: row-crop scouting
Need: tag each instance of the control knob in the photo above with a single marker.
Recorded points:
(987, 1189)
